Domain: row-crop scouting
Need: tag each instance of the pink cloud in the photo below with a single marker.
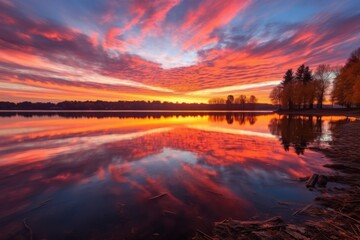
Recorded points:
(210, 14)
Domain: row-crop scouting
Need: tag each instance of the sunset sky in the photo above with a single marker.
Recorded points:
(168, 50)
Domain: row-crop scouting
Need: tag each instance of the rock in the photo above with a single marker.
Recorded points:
(322, 181)
(312, 181)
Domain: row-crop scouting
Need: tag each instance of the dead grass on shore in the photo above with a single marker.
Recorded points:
(335, 214)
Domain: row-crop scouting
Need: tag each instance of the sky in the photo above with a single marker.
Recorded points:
(167, 50)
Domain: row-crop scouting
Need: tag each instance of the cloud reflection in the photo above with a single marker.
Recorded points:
(110, 168)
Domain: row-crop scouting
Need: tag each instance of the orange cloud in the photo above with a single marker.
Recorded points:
(209, 48)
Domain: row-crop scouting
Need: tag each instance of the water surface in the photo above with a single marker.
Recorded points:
(152, 175)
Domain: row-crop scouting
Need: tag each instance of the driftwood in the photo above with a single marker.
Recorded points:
(334, 214)
(312, 181)
(206, 236)
(40, 205)
(169, 212)
(28, 228)
(344, 215)
(158, 196)
(302, 210)
(230, 227)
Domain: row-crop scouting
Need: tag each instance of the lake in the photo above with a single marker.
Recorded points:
(143, 175)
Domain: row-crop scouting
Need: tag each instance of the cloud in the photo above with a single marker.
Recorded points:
(169, 50)
(234, 88)
(210, 15)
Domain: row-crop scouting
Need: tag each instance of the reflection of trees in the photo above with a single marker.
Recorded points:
(215, 116)
(296, 131)
(230, 118)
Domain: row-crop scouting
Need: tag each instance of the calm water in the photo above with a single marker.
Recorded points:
(97, 175)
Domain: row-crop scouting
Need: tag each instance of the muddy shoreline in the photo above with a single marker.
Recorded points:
(335, 212)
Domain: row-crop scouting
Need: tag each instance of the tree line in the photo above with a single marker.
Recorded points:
(305, 88)
(122, 105)
(242, 100)
(213, 116)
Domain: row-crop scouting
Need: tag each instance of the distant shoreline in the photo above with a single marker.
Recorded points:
(322, 112)
(127, 113)
(306, 112)
(140, 111)
(132, 106)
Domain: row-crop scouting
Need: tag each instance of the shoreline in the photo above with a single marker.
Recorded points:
(130, 111)
(305, 112)
(321, 112)
(334, 212)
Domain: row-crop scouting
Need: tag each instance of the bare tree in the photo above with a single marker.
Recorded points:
(322, 82)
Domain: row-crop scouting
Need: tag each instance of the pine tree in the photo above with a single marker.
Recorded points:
(288, 77)
(287, 88)
(299, 76)
(307, 75)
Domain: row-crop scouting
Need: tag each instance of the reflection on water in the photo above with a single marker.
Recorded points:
(230, 118)
(297, 131)
(95, 176)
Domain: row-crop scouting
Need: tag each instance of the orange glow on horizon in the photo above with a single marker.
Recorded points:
(148, 54)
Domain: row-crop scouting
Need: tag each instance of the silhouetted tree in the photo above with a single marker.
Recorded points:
(242, 100)
(295, 91)
(305, 90)
(287, 86)
(217, 100)
(309, 88)
(299, 76)
(322, 78)
(307, 75)
(230, 99)
(276, 95)
(252, 101)
(288, 77)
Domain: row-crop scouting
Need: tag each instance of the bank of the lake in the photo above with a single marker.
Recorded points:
(334, 214)
(321, 112)
(339, 208)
